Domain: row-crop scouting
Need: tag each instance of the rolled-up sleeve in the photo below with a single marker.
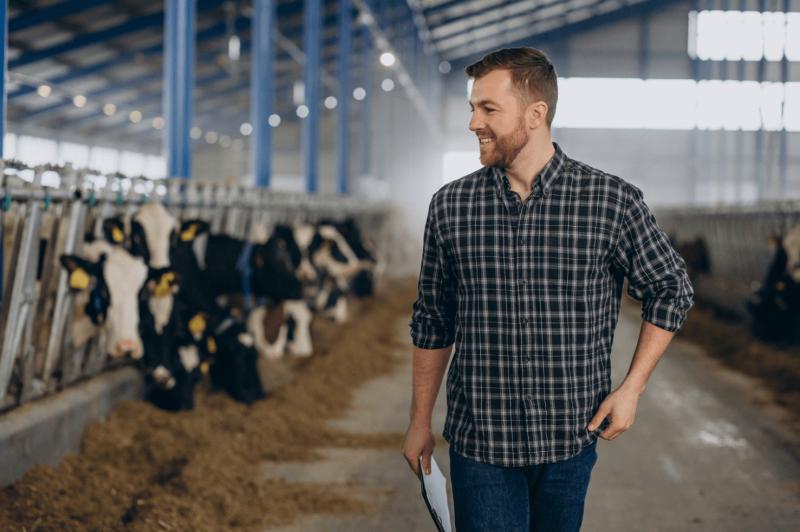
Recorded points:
(433, 313)
(656, 273)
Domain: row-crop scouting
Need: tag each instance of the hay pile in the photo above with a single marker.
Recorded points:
(146, 469)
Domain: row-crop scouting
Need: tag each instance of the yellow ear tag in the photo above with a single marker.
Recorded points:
(197, 324)
(117, 235)
(188, 234)
(212, 345)
(163, 287)
(204, 368)
(79, 279)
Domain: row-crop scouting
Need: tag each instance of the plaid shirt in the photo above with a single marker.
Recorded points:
(529, 292)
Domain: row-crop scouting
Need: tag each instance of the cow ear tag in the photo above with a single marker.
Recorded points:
(117, 235)
(189, 234)
(79, 279)
(197, 325)
(204, 367)
(212, 347)
(164, 288)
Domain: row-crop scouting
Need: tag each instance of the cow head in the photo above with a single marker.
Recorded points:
(152, 233)
(294, 241)
(274, 271)
(114, 281)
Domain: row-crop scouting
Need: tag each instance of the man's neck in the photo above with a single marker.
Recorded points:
(529, 163)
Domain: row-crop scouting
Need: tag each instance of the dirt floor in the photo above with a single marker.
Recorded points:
(730, 341)
(146, 469)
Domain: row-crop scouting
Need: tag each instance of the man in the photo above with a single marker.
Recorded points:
(522, 269)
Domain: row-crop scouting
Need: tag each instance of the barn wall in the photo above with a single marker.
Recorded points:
(671, 167)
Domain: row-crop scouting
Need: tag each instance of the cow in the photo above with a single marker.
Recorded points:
(774, 306)
(279, 328)
(112, 277)
(180, 321)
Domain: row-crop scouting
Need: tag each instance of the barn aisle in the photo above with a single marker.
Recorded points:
(707, 452)
(379, 477)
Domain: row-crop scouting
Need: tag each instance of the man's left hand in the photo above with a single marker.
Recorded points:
(621, 406)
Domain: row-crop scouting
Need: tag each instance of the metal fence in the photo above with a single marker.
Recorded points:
(38, 223)
(735, 236)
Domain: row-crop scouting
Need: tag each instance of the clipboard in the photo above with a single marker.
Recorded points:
(434, 493)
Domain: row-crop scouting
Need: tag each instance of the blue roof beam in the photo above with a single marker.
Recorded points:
(154, 20)
(47, 14)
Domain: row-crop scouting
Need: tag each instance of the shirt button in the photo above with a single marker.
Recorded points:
(529, 398)
(528, 359)
(525, 321)
(524, 282)
(523, 241)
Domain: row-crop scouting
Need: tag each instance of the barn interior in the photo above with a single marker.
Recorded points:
(160, 156)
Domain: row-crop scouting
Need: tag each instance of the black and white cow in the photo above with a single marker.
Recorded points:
(112, 277)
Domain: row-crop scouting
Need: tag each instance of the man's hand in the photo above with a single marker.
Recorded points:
(419, 442)
(621, 406)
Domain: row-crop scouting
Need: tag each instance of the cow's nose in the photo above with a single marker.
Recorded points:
(128, 348)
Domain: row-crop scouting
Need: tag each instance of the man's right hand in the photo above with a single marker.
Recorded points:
(419, 442)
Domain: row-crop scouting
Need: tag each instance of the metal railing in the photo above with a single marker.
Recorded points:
(735, 236)
(38, 223)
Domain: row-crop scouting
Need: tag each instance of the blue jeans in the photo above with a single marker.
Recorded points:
(538, 498)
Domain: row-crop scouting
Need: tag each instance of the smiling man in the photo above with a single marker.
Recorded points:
(522, 270)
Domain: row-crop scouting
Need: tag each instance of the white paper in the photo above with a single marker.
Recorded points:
(435, 486)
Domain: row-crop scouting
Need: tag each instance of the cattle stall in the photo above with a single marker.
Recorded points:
(48, 210)
(735, 244)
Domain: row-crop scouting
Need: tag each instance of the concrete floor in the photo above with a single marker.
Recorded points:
(707, 452)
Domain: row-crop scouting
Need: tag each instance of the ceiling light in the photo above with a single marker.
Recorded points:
(109, 109)
(302, 111)
(44, 91)
(387, 59)
(387, 84)
(211, 137)
(359, 93)
(158, 122)
(135, 117)
(79, 100)
(274, 120)
(330, 102)
(196, 133)
(246, 128)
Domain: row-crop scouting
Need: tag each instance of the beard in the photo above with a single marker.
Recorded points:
(504, 150)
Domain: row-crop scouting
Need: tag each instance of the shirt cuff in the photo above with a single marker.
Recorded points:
(665, 314)
(429, 335)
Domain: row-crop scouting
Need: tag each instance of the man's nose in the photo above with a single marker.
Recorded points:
(475, 123)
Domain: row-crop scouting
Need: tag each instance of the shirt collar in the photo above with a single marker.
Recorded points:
(547, 176)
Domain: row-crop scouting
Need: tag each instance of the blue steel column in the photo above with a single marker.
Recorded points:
(261, 90)
(179, 37)
(311, 40)
(345, 88)
(366, 132)
(3, 88)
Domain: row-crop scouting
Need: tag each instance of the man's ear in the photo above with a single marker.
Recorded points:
(114, 231)
(80, 271)
(536, 114)
(191, 229)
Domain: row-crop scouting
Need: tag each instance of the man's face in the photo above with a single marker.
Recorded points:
(497, 119)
